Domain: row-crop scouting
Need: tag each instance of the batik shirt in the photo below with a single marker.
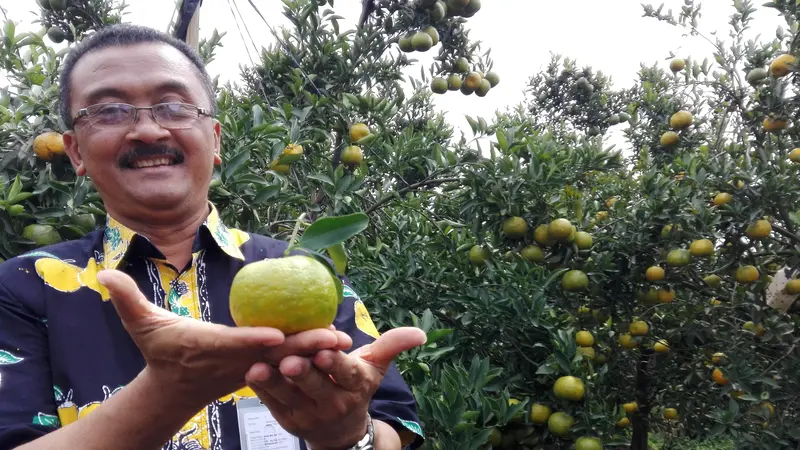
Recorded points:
(64, 351)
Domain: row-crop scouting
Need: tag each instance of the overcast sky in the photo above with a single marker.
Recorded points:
(611, 36)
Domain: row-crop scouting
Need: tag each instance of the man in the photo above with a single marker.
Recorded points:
(124, 340)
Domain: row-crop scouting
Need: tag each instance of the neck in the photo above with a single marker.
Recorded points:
(172, 232)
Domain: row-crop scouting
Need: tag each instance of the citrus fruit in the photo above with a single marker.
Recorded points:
(478, 255)
(515, 227)
(473, 80)
(15, 210)
(758, 229)
(701, 247)
(438, 11)
(638, 328)
(41, 234)
(472, 8)
(669, 139)
(405, 43)
(630, 407)
(769, 407)
(654, 273)
(794, 156)
(719, 358)
(623, 422)
(569, 388)
(583, 240)
(759, 329)
(56, 34)
(628, 341)
(559, 229)
(85, 222)
(462, 65)
(756, 75)
(746, 274)
(540, 413)
(47, 145)
(793, 287)
(466, 90)
(352, 155)
(679, 257)
(715, 302)
(454, 82)
(421, 41)
(584, 339)
(574, 280)
(584, 85)
(723, 198)
(431, 31)
(496, 438)
(671, 414)
(779, 67)
(676, 65)
(559, 423)
(718, 377)
(666, 295)
(661, 346)
(774, 124)
(293, 294)
(358, 131)
(713, 280)
(588, 443)
(670, 230)
(439, 85)
(600, 358)
(492, 78)
(588, 352)
(680, 120)
(533, 253)
(483, 88)
(292, 149)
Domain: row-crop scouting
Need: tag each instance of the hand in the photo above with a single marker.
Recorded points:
(324, 399)
(198, 362)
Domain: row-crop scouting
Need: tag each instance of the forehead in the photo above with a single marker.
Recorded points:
(133, 71)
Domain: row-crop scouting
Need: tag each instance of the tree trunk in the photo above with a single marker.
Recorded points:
(641, 421)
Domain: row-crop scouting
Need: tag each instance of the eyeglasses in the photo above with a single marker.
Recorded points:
(172, 116)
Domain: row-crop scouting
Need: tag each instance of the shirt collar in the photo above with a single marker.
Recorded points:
(117, 238)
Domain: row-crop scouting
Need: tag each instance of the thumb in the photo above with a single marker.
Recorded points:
(129, 302)
(390, 344)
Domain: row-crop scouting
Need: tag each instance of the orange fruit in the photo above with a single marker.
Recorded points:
(758, 229)
(352, 155)
(666, 295)
(583, 240)
(679, 257)
(774, 124)
(559, 229)
(292, 294)
(540, 413)
(584, 339)
(601, 216)
(292, 149)
(623, 422)
(638, 328)
(41, 234)
(676, 65)
(542, 236)
(670, 414)
(574, 280)
(559, 424)
(358, 131)
(515, 227)
(723, 198)
(661, 346)
(713, 280)
(780, 66)
(718, 377)
(533, 253)
(680, 120)
(719, 358)
(47, 145)
(628, 341)
(473, 80)
(654, 273)
(701, 247)
(630, 407)
(478, 255)
(747, 274)
(588, 443)
(569, 388)
(794, 156)
(669, 139)
(792, 287)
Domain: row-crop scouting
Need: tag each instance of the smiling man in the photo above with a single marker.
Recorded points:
(124, 339)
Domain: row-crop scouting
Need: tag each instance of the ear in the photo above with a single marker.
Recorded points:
(72, 150)
(217, 143)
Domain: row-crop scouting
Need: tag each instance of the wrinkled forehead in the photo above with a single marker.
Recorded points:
(134, 73)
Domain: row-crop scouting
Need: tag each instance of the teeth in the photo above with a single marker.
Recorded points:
(151, 163)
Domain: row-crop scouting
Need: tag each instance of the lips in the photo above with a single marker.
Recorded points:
(144, 157)
(144, 163)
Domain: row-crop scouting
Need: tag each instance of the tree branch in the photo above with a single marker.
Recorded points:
(408, 188)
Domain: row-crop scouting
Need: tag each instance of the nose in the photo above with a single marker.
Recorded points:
(146, 129)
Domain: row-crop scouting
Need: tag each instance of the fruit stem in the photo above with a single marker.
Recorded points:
(294, 234)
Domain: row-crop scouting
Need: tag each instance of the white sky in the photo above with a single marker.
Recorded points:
(611, 36)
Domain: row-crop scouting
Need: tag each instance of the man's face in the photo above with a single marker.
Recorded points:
(142, 167)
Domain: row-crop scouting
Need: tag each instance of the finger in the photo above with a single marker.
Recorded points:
(346, 370)
(383, 350)
(314, 384)
(264, 379)
(305, 343)
(345, 341)
(258, 374)
(129, 302)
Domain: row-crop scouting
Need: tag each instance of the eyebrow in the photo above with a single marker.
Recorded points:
(167, 86)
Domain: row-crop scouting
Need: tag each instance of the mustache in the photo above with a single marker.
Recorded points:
(144, 151)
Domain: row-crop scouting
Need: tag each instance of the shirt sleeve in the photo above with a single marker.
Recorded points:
(27, 402)
(393, 402)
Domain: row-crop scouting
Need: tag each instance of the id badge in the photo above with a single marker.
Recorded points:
(258, 429)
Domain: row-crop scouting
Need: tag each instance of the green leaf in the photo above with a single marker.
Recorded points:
(366, 139)
(15, 188)
(328, 231)
(47, 213)
(20, 197)
(235, 162)
(288, 159)
(267, 192)
(338, 254)
(435, 335)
